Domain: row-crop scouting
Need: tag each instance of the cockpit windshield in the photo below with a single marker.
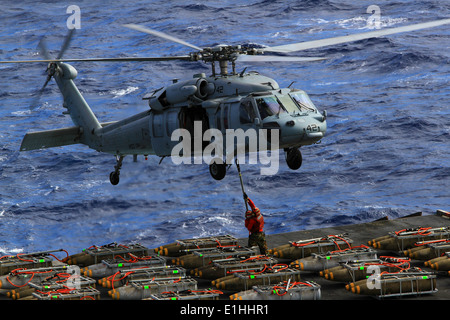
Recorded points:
(269, 106)
(303, 102)
(288, 104)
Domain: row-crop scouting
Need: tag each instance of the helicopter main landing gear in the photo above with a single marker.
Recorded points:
(114, 176)
(293, 158)
(218, 170)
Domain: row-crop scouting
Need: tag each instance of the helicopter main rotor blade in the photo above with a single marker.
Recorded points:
(43, 51)
(42, 46)
(161, 35)
(124, 59)
(66, 43)
(267, 58)
(354, 37)
(34, 104)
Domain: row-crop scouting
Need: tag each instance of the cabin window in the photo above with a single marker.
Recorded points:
(246, 112)
(269, 106)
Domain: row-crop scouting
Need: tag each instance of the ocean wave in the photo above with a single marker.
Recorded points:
(122, 92)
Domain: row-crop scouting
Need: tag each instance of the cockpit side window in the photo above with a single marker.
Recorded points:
(269, 106)
(246, 112)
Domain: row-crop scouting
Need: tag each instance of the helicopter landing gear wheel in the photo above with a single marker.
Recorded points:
(114, 176)
(218, 170)
(293, 158)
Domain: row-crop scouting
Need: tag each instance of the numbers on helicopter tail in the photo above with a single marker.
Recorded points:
(313, 128)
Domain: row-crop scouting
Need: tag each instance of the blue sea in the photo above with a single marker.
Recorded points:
(386, 151)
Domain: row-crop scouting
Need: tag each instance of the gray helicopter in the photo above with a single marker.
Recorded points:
(222, 101)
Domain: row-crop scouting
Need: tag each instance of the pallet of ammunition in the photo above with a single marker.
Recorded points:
(123, 277)
(137, 290)
(306, 247)
(287, 290)
(187, 295)
(40, 259)
(240, 281)
(222, 267)
(202, 257)
(183, 247)
(404, 239)
(441, 263)
(111, 266)
(95, 254)
(426, 250)
(87, 293)
(386, 285)
(62, 281)
(19, 278)
(352, 271)
(318, 262)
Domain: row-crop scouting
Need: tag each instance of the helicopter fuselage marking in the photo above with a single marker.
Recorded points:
(219, 89)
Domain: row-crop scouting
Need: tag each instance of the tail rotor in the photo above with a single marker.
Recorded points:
(51, 68)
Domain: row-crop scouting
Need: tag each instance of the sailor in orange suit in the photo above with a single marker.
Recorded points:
(254, 222)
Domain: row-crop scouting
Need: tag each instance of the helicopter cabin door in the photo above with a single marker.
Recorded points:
(235, 115)
(239, 114)
(248, 117)
(192, 118)
(162, 126)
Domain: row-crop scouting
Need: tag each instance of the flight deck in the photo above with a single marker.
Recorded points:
(403, 258)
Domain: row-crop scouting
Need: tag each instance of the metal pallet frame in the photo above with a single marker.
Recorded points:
(114, 249)
(54, 284)
(119, 263)
(185, 295)
(211, 253)
(263, 289)
(164, 285)
(288, 273)
(410, 276)
(353, 266)
(77, 293)
(236, 265)
(41, 258)
(320, 243)
(342, 254)
(161, 272)
(213, 242)
(442, 232)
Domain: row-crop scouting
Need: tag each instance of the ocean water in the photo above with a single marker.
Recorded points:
(385, 152)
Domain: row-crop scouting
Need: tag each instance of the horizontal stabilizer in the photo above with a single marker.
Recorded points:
(51, 138)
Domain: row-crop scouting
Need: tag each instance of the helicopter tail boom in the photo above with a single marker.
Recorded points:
(80, 112)
(86, 124)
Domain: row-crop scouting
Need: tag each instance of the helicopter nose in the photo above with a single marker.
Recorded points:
(302, 130)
